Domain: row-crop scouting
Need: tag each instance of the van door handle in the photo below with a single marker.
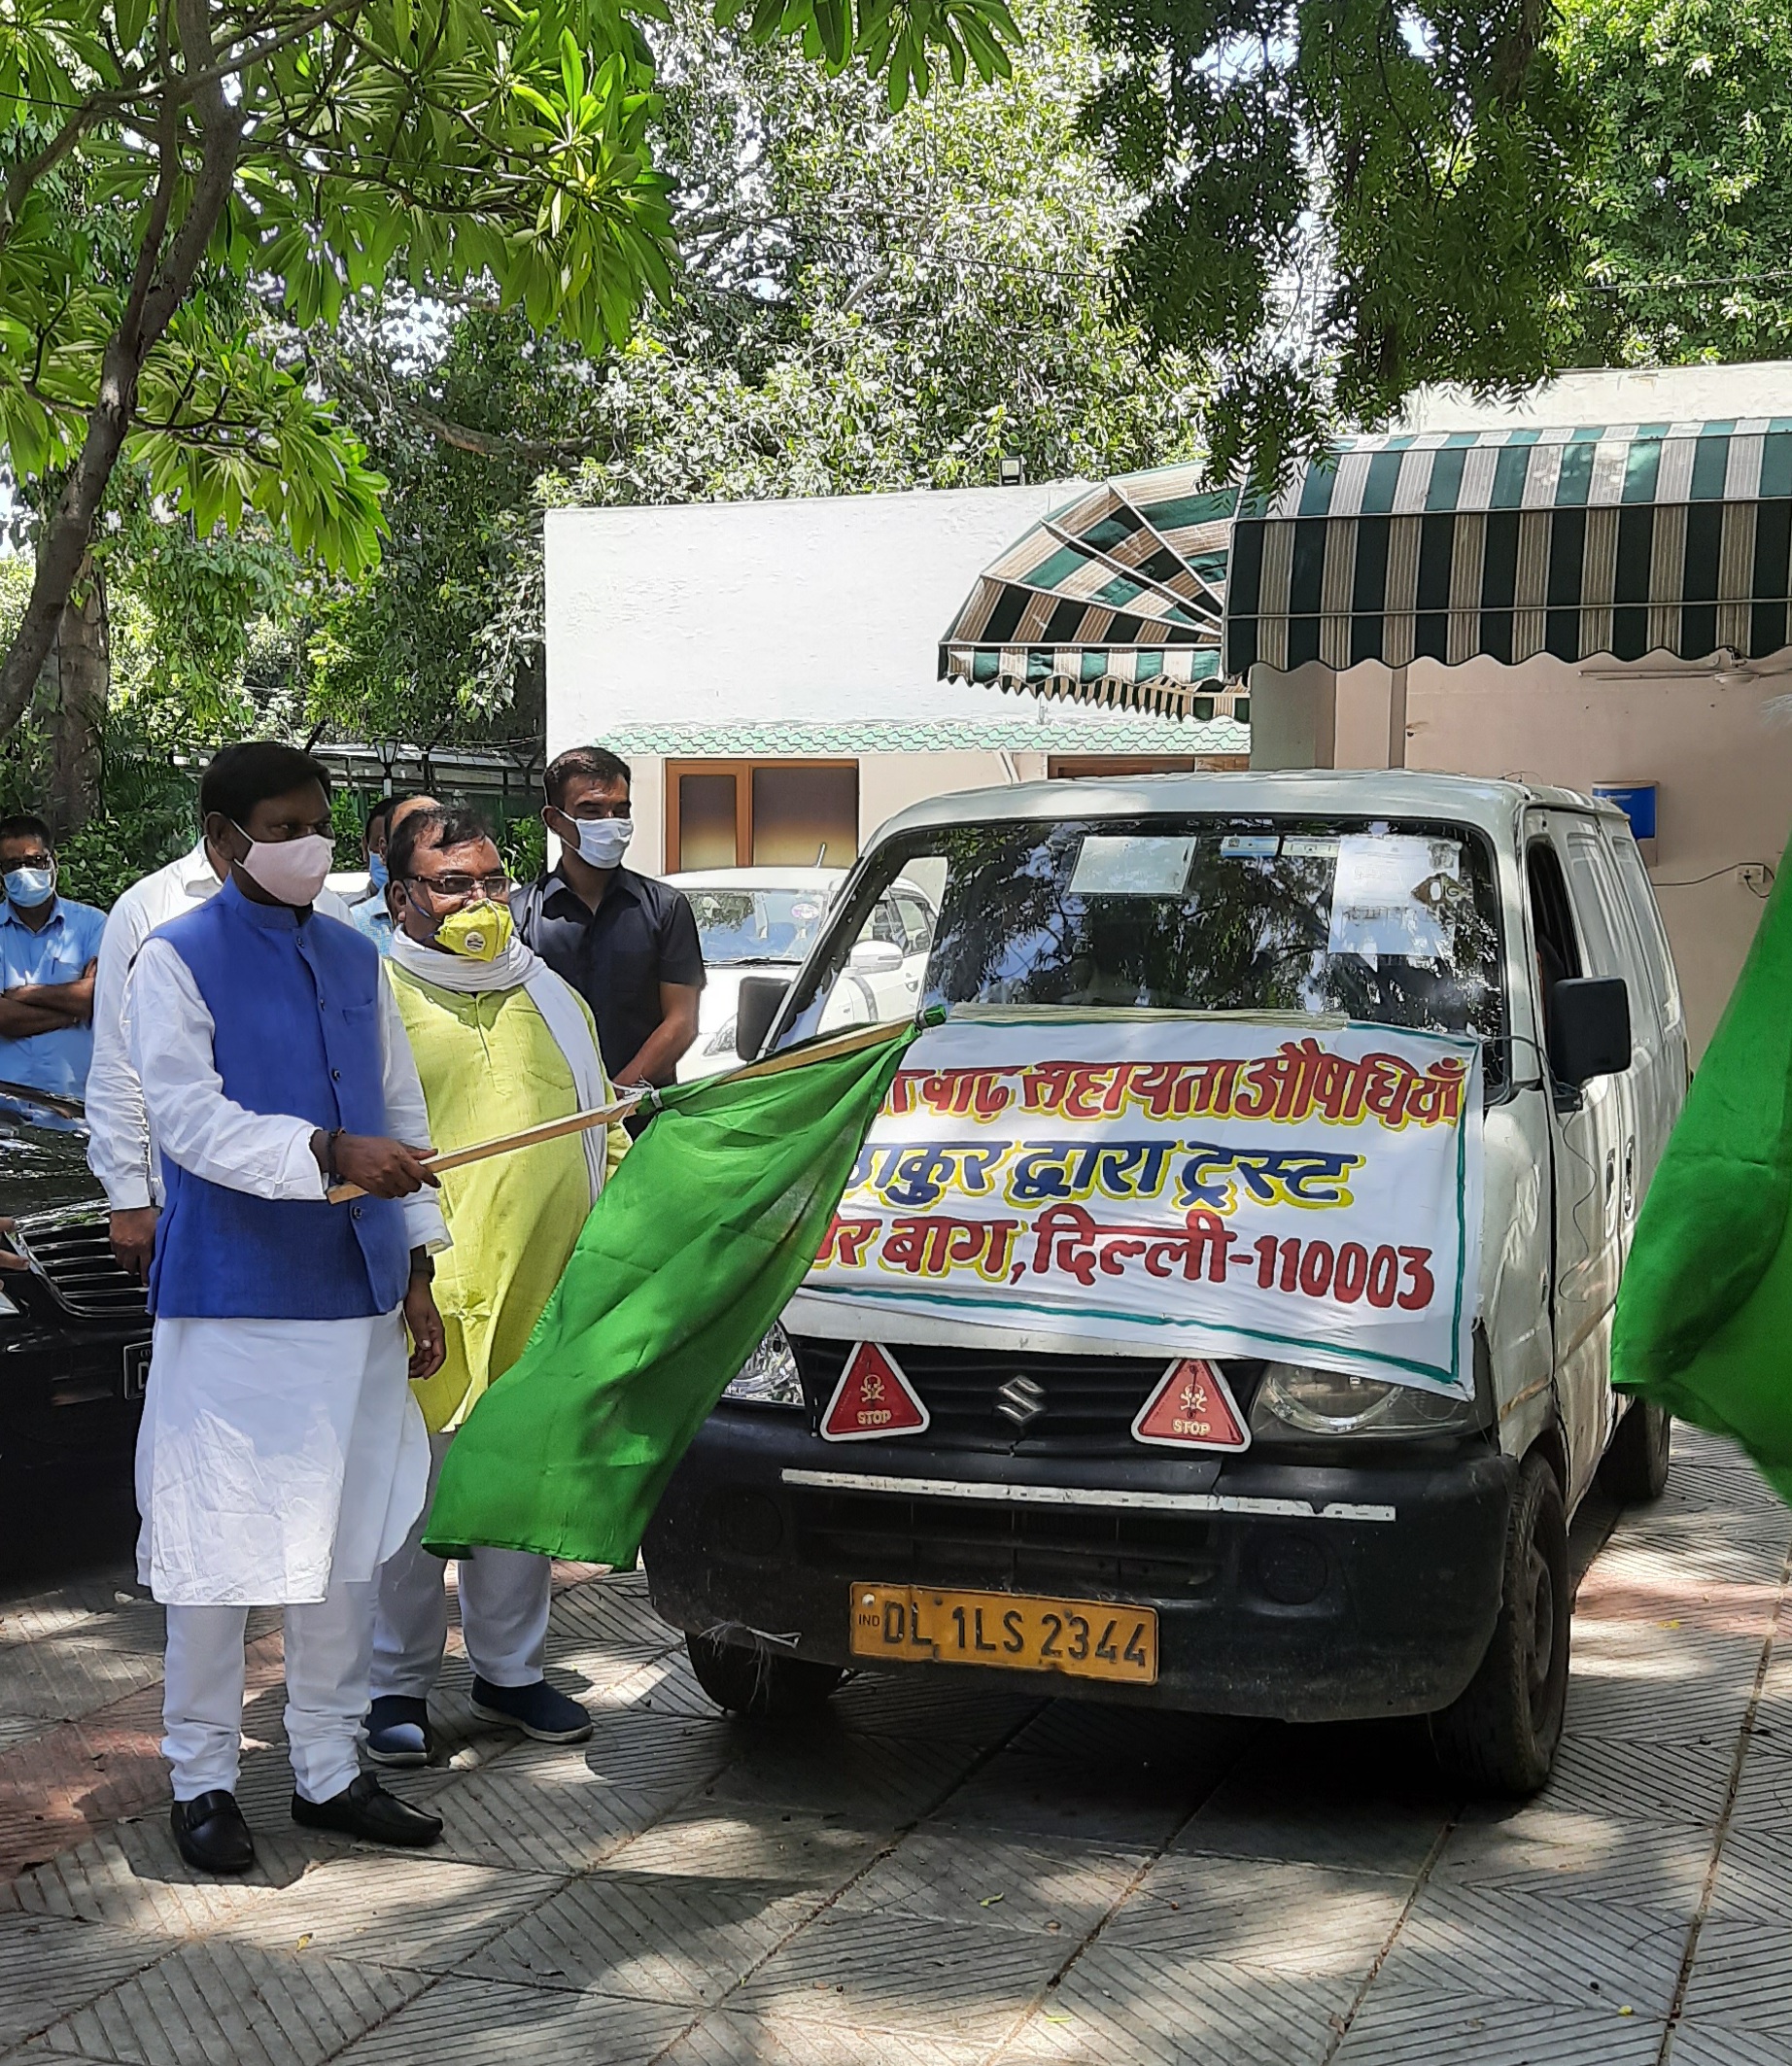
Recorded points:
(1630, 1176)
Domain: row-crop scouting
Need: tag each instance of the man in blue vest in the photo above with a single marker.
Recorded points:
(282, 1458)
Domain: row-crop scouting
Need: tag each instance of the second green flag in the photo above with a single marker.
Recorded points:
(689, 1255)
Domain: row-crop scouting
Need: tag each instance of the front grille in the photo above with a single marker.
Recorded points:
(1065, 1550)
(1089, 1401)
(75, 1260)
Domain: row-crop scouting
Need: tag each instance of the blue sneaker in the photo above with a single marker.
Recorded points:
(537, 1711)
(399, 1730)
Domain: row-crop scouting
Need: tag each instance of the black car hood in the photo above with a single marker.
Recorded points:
(42, 1157)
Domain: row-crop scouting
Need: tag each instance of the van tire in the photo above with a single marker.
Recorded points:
(1500, 1734)
(757, 1682)
(1635, 1470)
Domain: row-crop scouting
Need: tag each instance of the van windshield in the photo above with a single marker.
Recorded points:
(1390, 920)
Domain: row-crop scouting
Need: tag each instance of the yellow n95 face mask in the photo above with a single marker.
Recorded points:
(481, 930)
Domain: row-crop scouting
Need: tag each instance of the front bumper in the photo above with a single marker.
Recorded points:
(1300, 1592)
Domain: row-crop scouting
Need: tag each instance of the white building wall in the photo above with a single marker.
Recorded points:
(823, 611)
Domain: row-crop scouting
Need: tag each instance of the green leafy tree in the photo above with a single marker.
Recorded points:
(1690, 192)
(870, 299)
(169, 166)
(1342, 199)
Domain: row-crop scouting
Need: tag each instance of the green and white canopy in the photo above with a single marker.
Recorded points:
(1620, 539)
(1116, 600)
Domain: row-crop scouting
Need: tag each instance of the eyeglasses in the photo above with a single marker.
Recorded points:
(496, 887)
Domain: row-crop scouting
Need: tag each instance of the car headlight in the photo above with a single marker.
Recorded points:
(768, 1377)
(1298, 1399)
(722, 1041)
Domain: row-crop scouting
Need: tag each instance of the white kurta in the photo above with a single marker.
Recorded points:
(276, 1456)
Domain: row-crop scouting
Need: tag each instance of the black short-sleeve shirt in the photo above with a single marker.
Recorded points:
(643, 934)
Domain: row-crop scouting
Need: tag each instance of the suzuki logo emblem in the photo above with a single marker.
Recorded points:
(1021, 1401)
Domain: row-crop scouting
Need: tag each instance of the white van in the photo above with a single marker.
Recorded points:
(1266, 1596)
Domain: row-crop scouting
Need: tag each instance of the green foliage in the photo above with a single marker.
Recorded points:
(1341, 199)
(869, 301)
(1691, 191)
(179, 173)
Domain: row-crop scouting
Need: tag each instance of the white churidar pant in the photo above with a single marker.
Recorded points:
(327, 1642)
(504, 1600)
(280, 1464)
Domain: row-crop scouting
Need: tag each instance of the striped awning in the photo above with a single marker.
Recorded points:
(1620, 539)
(1116, 599)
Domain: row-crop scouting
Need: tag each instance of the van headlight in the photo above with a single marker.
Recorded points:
(1295, 1398)
(768, 1377)
(722, 1040)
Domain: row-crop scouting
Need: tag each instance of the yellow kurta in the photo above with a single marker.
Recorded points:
(489, 1065)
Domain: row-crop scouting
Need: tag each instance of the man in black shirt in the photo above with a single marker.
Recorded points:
(626, 943)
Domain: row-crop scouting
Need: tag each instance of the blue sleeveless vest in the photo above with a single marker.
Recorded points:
(295, 1011)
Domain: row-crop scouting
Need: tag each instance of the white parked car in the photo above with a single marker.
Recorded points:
(761, 921)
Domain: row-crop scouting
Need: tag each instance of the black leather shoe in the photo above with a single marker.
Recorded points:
(210, 1833)
(366, 1810)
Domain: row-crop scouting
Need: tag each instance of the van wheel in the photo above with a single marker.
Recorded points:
(758, 1683)
(1635, 1470)
(1499, 1736)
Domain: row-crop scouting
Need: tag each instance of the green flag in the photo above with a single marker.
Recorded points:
(1704, 1315)
(690, 1254)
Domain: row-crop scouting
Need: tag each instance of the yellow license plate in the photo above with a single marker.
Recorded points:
(1084, 1638)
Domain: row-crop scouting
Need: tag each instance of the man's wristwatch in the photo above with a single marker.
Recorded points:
(423, 1264)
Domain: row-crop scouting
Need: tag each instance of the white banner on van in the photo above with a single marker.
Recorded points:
(1304, 1191)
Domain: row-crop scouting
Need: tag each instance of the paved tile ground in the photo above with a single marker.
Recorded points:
(939, 1873)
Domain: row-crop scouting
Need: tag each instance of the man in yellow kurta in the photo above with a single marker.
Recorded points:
(501, 1042)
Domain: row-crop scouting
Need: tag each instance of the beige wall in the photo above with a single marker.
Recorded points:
(1724, 769)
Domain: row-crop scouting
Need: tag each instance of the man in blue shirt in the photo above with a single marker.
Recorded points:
(371, 914)
(48, 945)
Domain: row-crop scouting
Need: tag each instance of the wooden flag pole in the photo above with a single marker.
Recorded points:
(505, 1143)
(835, 1045)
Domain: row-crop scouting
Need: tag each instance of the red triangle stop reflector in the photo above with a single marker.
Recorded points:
(1192, 1408)
(873, 1399)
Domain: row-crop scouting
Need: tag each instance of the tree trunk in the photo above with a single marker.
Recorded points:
(160, 282)
(82, 668)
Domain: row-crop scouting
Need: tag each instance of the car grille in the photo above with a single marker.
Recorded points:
(1024, 1549)
(75, 1260)
(1088, 1402)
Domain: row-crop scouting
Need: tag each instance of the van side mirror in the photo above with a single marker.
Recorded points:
(1589, 1028)
(874, 957)
(756, 1004)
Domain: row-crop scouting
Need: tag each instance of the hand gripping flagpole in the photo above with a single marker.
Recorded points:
(645, 1099)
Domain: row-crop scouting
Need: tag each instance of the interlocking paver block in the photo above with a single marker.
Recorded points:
(1058, 1797)
(1264, 1914)
(1700, 2044)
(545, 1814)
(882, 1778)
(1011, 1883)
(410, 1910)
(1526, 1947)
(132, 1877)
(1119, 2006)
(49, 1966)
(730, 2038)
(1580, 1857)
(658, 1935)
(1742, 1977)
(480, 2022)
(895, 1972)
(1309, 1807)
(235, 2005)
(754, 1841)
(1395, 2027)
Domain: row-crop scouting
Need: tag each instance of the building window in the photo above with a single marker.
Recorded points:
(761, 814)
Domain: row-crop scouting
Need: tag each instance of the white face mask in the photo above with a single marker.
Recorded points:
(291, 870)
(602, 842)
